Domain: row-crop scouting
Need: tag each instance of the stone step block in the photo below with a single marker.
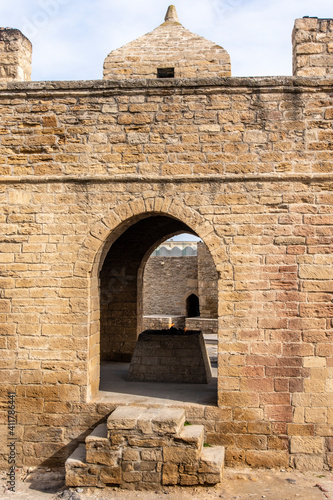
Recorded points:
(98, 448)
(149, 441)
(168, 421)
(211, 465)
(192, 435)
(81, 473)
(145, 422)
(78, 472)
(180, 455)
(125, 417)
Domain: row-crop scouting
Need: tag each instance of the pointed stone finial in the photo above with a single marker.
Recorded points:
(171, 14)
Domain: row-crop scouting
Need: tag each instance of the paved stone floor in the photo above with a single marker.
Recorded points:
(115, 388)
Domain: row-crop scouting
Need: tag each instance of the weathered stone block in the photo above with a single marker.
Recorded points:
(168, 420)
(110, 475)
(306, 445)
(170, 474)
(308, 463)
(209, 478)
(212, 460)
(132, 477)
(125, 417)
(267, 458)
(130, 455)
(179, 455)
(188, 479)
(192, 435)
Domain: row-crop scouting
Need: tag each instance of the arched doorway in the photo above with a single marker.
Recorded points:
(192, 306)
(121, 283)
(128, 238)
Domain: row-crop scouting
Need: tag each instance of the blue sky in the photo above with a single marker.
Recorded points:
(71, 38)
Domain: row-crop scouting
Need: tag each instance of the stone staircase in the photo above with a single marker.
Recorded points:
(145, 448)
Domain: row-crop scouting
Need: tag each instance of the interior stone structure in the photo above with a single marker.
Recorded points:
(170, 280)
(94, 175)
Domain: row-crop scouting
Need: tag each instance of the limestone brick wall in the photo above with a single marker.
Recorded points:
(313, 47)
(246, 164)
(167, 282)
(15, 56)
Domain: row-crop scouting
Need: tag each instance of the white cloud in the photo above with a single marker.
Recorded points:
(71, 38)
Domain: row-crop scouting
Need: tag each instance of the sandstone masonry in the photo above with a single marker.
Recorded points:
(94, 175)
(15, 56)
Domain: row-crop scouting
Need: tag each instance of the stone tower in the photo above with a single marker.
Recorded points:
(15, 56)
(168, 51)
(313, 47)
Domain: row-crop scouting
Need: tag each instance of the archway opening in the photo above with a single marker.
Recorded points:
(121, 280)
(192, 306)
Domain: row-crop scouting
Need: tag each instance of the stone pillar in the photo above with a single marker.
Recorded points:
(15, 56)
(207, 283)
(312, 47)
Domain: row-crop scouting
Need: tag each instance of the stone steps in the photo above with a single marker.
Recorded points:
(145, 448)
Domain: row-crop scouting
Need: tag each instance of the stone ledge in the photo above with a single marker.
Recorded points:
(101, 86)
(305, 178)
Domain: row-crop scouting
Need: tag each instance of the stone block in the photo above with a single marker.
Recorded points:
(212, 460)
(192, 435)
(151, 455)
(110, 475)
(148, 442)
(267, 458)
(130, 455)
(151, 477)
(307, 445)
(101, 454)
(170, 474)
(78, 472)
(145, 421)
(209, 478)
(188, 479)
(179, 455)
(168, 420)
(132, 477)
(124, 417)
(176, 356)
(308, 463)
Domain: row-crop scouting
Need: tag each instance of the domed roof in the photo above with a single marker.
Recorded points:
(169, 51)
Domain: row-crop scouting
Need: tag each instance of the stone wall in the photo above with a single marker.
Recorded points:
(15, 56)
(313, 47)
(167, 283)
(244, 163)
